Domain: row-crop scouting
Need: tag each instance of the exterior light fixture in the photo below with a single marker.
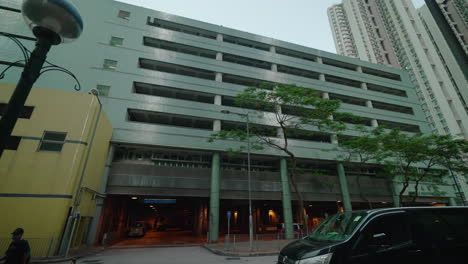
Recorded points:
(58, 20)
(52, 22)
(134, 198)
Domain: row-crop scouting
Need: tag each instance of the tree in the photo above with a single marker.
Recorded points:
(412, 158)
(294, 110)
(358, 153)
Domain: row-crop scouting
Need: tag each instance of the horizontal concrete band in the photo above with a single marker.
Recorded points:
(66, 141)
(236, 195)
(31, 195)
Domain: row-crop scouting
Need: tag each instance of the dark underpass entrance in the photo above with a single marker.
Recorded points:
(152, 220)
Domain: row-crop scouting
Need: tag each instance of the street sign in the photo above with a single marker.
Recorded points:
(160, 201)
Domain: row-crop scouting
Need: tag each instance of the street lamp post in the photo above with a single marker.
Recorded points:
(52, 22)
(248, 174)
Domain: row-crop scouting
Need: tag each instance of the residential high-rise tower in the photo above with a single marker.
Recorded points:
(392, 33)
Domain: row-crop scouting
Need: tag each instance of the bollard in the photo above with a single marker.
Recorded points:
(226, 242)
(234, 249)
(256, 242)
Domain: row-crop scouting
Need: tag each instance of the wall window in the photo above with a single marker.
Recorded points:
(52, 141)
(115, 41)
(124, 14)
(103, 89)
(109, 64)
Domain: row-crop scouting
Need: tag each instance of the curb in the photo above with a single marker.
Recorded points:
(58, 260)
(250, 254)
(154, 246)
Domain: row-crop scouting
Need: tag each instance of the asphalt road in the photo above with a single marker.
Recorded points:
(173, 255)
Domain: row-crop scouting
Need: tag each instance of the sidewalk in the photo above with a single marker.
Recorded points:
(79, 253)
(241, 249)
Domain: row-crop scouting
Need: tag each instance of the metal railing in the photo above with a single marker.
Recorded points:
(40, 247)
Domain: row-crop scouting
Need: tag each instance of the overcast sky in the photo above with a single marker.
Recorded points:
(303, 22)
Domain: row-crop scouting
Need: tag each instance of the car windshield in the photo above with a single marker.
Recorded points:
(338, 227)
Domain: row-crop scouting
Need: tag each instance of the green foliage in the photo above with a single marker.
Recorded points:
(306, 107)
(410, 158)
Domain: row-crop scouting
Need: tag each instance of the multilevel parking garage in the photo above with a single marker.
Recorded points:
(167, 191)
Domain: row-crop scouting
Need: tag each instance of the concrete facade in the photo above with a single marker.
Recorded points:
(448, 30)
(342, 33)
(42, 178)
(164, 80)
(393, 30)
(357, 24)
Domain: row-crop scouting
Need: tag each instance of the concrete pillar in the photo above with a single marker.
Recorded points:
(369, 104)
(374, 123)
(325, 95)
(219, 77)
(272, 49)
(344, 188)
(219, 56)
(219, 37)
(214, 198)
(100, 201)
(217, 125)
(279, 133)
(218, 100)
(334, 139)
(364, 86)
(286, 196)
(359, 69)
(451, 201)
(198, 220)
(322, 77)
(319, 60)
(274, 67)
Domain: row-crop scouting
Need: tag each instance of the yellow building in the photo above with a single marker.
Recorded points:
(53, 166)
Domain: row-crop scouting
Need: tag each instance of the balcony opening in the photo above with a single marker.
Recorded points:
(181, 28)
(172, 46)
(172, 92)
(159, 118)
(176, 69)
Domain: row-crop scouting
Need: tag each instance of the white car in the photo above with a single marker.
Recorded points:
(137, 230)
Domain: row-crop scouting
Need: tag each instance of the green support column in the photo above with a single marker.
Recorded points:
(395, 194)
(214, 199)
(344, 188)
(287, 211)
(452, 201)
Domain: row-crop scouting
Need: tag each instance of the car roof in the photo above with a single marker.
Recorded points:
(420, 208)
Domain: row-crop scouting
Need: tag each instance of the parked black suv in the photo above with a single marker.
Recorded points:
(385, 236)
